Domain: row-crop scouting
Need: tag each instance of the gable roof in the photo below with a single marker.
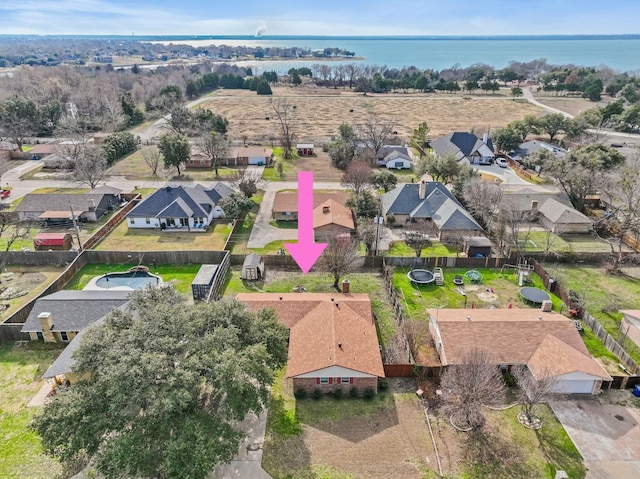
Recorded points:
(288, 200)
(388, 152)
(438, 205)
(512, 336)
(528, 147)
(559, 213)
(64, 362)
(461, 144)
(74, 310)
(252, 259)
(326, 330)
(521, 199)
(336, 214)
(252, 152)
(181, 201)
(34, 202)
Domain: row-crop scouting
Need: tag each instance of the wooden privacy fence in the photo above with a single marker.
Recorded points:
(399, 370)
(221, 273)
(112, 223)
(610, 343)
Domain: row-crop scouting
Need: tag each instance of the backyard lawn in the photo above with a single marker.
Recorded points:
(21, 368)
(124, 239)
(180, 275)
(285, 282)
(400, 248)
(541, 241)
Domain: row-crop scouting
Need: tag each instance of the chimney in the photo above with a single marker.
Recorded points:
(46, 323)
(325, 208)
(485, 138)
(422, 191)
(534, 205)
(345, 286)
(92, 204)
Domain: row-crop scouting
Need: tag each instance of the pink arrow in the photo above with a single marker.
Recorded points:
(306, 252)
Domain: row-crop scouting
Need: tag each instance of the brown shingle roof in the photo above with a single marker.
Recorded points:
(251, 152)
(288, 200)
(319, 324)
(512, 336)
(331, 212)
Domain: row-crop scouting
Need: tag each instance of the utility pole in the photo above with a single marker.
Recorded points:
(377, 220)
(76, 228)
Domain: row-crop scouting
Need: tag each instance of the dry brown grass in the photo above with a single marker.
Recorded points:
(322, 110)
(573, 106)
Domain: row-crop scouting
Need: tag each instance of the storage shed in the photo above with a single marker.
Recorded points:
(253, 267)
(305, 149)
(476, 246)
(52, 241)
(201, 284)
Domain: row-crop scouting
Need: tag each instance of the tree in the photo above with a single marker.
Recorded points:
(215, 147)
(118, 145)
(295, 78)
(470, 386)
(525, 126)
(91, 168)
(443, 168)
(163, 386)
(418, 234)
(342, 150)
(364, 204)
(246, 181)
(19, 118)
(375, 132)
(367, 230)
(532, 391)
(152, 157)
(11, 230)
(357, 176)
(263, 88)
(236, 205)
(539, 159)
(385, 180)
(180, 120)
(340, 257)
(134, 116)
(516, 92)
(506, 139)
(289, 124)
(419, 137)
(205, 121)
(552, 124)
(581, 171)
(466, 174)
(483, 199)
(175, 150)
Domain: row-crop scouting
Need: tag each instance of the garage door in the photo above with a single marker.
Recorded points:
(575, 387)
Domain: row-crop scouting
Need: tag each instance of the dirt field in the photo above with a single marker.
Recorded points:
(30, 279)
(322, 110)
(573, 106)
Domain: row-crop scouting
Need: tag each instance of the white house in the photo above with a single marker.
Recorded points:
(395, 157)
(181, 207)
(466, 147)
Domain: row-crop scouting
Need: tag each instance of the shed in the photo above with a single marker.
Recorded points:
(201, 284)
(475, 246)
(253, 267)
(52, 241)
(305, 149)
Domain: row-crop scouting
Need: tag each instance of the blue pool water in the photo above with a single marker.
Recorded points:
(133, 280)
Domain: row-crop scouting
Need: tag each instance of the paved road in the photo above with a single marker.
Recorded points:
(528, 95)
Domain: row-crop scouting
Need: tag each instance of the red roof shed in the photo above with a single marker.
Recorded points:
(55, 241)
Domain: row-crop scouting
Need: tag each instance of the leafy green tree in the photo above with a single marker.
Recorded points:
(489, 86)
(552, 124)
(207, 121)
(134, 115)
(236, 205)
(163, 386)
(175, 150)
(270, 76)
(419, 136)
(443, 168)
(19, 117)
(118, 145)
(516, 92)
(263, 88)
(364, 204)
(295, 78)
(342, 150)
(471, 85)
(385, 180)
(506, 139)
(466, 174)
(529, 124)
(180, 120)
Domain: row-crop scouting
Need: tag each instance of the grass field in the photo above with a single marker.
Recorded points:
(400, 248)
(538, 241)
(21, 368)
(325, 109)
(124, 239)
(180, 275)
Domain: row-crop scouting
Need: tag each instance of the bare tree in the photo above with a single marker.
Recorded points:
(153, 159)
(357, 176)
(91, 168)
(551, 238)
(340, 257)
(246, 181)
(367, 231)
(514, 227)
(482, 199)
(215, 147)
(11, 230)
(470, 386)
(375, 131)
(533, 390)
(418, 235)
(289, 124)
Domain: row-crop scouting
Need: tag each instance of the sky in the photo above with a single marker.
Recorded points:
(325, 17)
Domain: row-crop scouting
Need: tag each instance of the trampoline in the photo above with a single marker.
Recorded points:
(473, 275)
(420, 276)
(534, 295)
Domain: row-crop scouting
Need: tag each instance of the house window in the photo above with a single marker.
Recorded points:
(184, 221)
(132, 221)
(399, 164)
(324, 381)
(287, 213)
(63, 336)
(345, 380)
(148, 221)
(40, 336)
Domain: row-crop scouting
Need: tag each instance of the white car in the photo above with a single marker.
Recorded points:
(502, 163)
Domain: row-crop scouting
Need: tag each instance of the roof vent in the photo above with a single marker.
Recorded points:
(340, 345)
(468, 318)
(337, 304)
(325, 208)
(280, 298)
(331, 299)
(539, 318)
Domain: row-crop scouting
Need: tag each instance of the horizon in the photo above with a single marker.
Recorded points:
(334, 18)
(361, 37)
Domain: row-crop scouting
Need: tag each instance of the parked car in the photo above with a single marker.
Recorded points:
(502, 163)
(4, 193)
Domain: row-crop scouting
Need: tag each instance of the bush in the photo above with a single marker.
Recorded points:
(300, 393)
(391, 219)
(263, 88)
(337, 393)
(509, 380)
(369, 394)
(317, 394)
(353, 392)
(383, 385)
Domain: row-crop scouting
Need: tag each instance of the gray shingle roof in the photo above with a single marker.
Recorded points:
(197, 199)
(558, 213)
(59, 202)
(386, 150)
(521, 200)
(252, 260)
(460, 143)
(64, 363)
(528, 147)
(74, 310)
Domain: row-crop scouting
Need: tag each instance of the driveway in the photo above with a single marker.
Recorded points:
(606, 433)
(507, 175)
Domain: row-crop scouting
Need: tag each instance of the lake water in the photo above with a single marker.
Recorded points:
(622, 53)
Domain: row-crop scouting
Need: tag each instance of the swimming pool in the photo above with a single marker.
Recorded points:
(128, 280)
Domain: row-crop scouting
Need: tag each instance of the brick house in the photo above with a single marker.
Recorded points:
(333, 342)
(331, 219)
(285, 204)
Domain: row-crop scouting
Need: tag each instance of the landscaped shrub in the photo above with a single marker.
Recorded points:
(337, 393)
(509, 380)
(353, 392)
(300, 393)
(383, 385)
(369, 394)
(317, 394)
